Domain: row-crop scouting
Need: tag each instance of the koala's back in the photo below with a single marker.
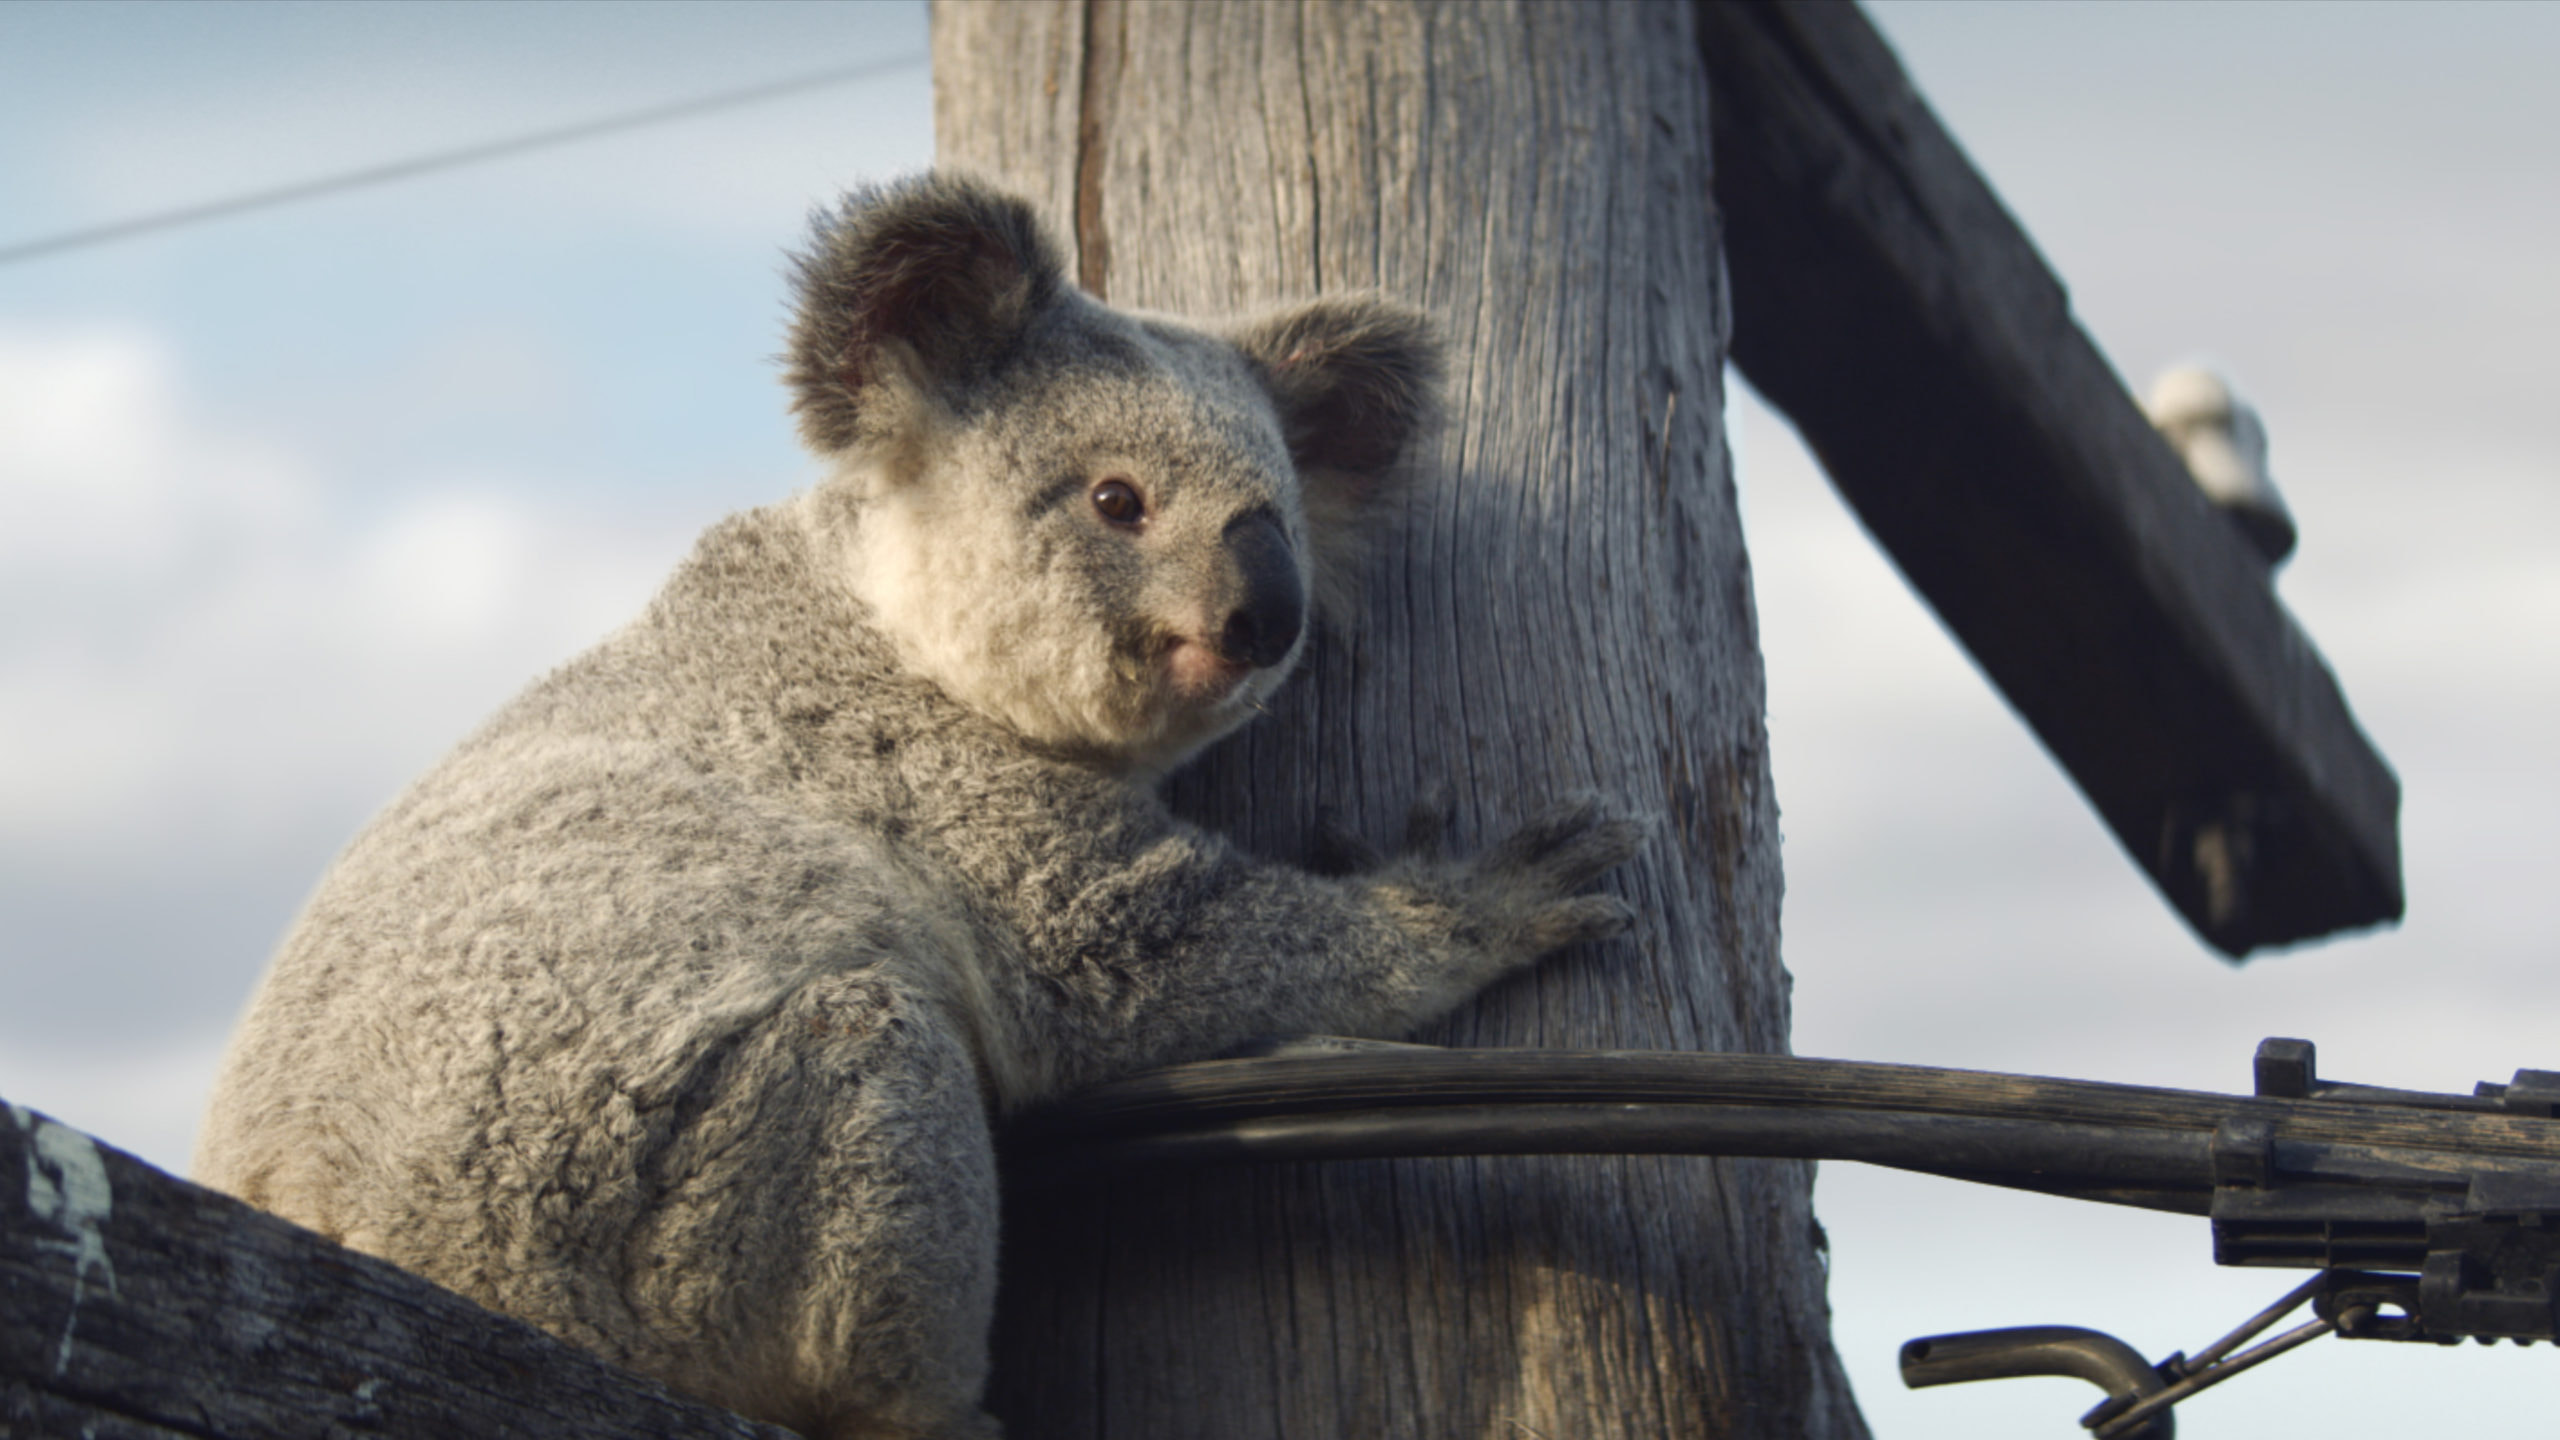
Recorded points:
(623, 966)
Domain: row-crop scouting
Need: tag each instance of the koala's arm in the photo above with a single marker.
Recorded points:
(1178, 946)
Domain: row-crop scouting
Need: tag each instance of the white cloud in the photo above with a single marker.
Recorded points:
(97, 482)
(138, 1097)
(208, 642)
(445, 570)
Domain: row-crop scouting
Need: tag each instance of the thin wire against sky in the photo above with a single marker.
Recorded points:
(449, 159)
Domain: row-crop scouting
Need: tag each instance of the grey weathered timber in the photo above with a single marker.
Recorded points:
(1894, 310)
(1567, 606)
(135, 1306)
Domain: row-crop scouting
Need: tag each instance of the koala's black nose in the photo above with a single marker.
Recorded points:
(1265, 624)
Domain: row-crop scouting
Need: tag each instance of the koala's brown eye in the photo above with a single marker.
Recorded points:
(1117, 501)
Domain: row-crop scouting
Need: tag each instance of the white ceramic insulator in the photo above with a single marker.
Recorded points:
(2225, 447)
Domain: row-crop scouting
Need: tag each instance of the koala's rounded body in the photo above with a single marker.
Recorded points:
(672, 1011)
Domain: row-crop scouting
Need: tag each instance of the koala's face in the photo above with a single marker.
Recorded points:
(1106, 530)
(1109, 553)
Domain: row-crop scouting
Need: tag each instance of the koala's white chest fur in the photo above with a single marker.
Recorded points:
(671, 1010)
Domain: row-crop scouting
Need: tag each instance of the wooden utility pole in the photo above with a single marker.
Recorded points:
(1566, 607)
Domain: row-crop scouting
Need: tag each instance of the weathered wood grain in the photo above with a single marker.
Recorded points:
(1894, 310)
(1566, 607)
(135, 1306)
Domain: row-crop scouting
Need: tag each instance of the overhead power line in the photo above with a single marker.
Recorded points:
(451, 159)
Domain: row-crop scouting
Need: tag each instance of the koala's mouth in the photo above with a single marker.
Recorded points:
(1196, 672)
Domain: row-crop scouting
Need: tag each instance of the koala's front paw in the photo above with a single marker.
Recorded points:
(1545, 866)
(1529, 895)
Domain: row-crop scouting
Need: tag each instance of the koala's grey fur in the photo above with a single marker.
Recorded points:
(671, 1010)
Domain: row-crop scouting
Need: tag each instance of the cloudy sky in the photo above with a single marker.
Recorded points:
(287, 501)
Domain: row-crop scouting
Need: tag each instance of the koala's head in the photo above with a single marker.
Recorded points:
(1108, 530)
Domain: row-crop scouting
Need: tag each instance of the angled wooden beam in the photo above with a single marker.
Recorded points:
(1885, 301)
(135, 1306)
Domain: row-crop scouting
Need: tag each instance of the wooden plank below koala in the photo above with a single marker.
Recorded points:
(135, 1306)
(1894, 310)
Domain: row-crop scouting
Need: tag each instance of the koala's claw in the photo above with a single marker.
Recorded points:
(1334, 848)
(1426, 825)
(1580, 920)
(1533, 889)
(976, 1425)
(1572, 844)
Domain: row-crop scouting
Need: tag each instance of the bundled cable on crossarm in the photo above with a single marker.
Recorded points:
(2428, 1217)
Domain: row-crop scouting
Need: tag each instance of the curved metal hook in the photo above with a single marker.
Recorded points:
(2091, 1355)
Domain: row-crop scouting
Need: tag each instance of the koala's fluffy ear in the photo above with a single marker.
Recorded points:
(931, 280)
(1356, 381)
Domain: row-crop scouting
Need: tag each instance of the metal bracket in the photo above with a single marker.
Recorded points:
(2140, 1394)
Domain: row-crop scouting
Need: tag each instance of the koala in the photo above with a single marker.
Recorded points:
(675, 1009)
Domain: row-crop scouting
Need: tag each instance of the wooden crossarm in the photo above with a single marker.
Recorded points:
(1885, 301)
